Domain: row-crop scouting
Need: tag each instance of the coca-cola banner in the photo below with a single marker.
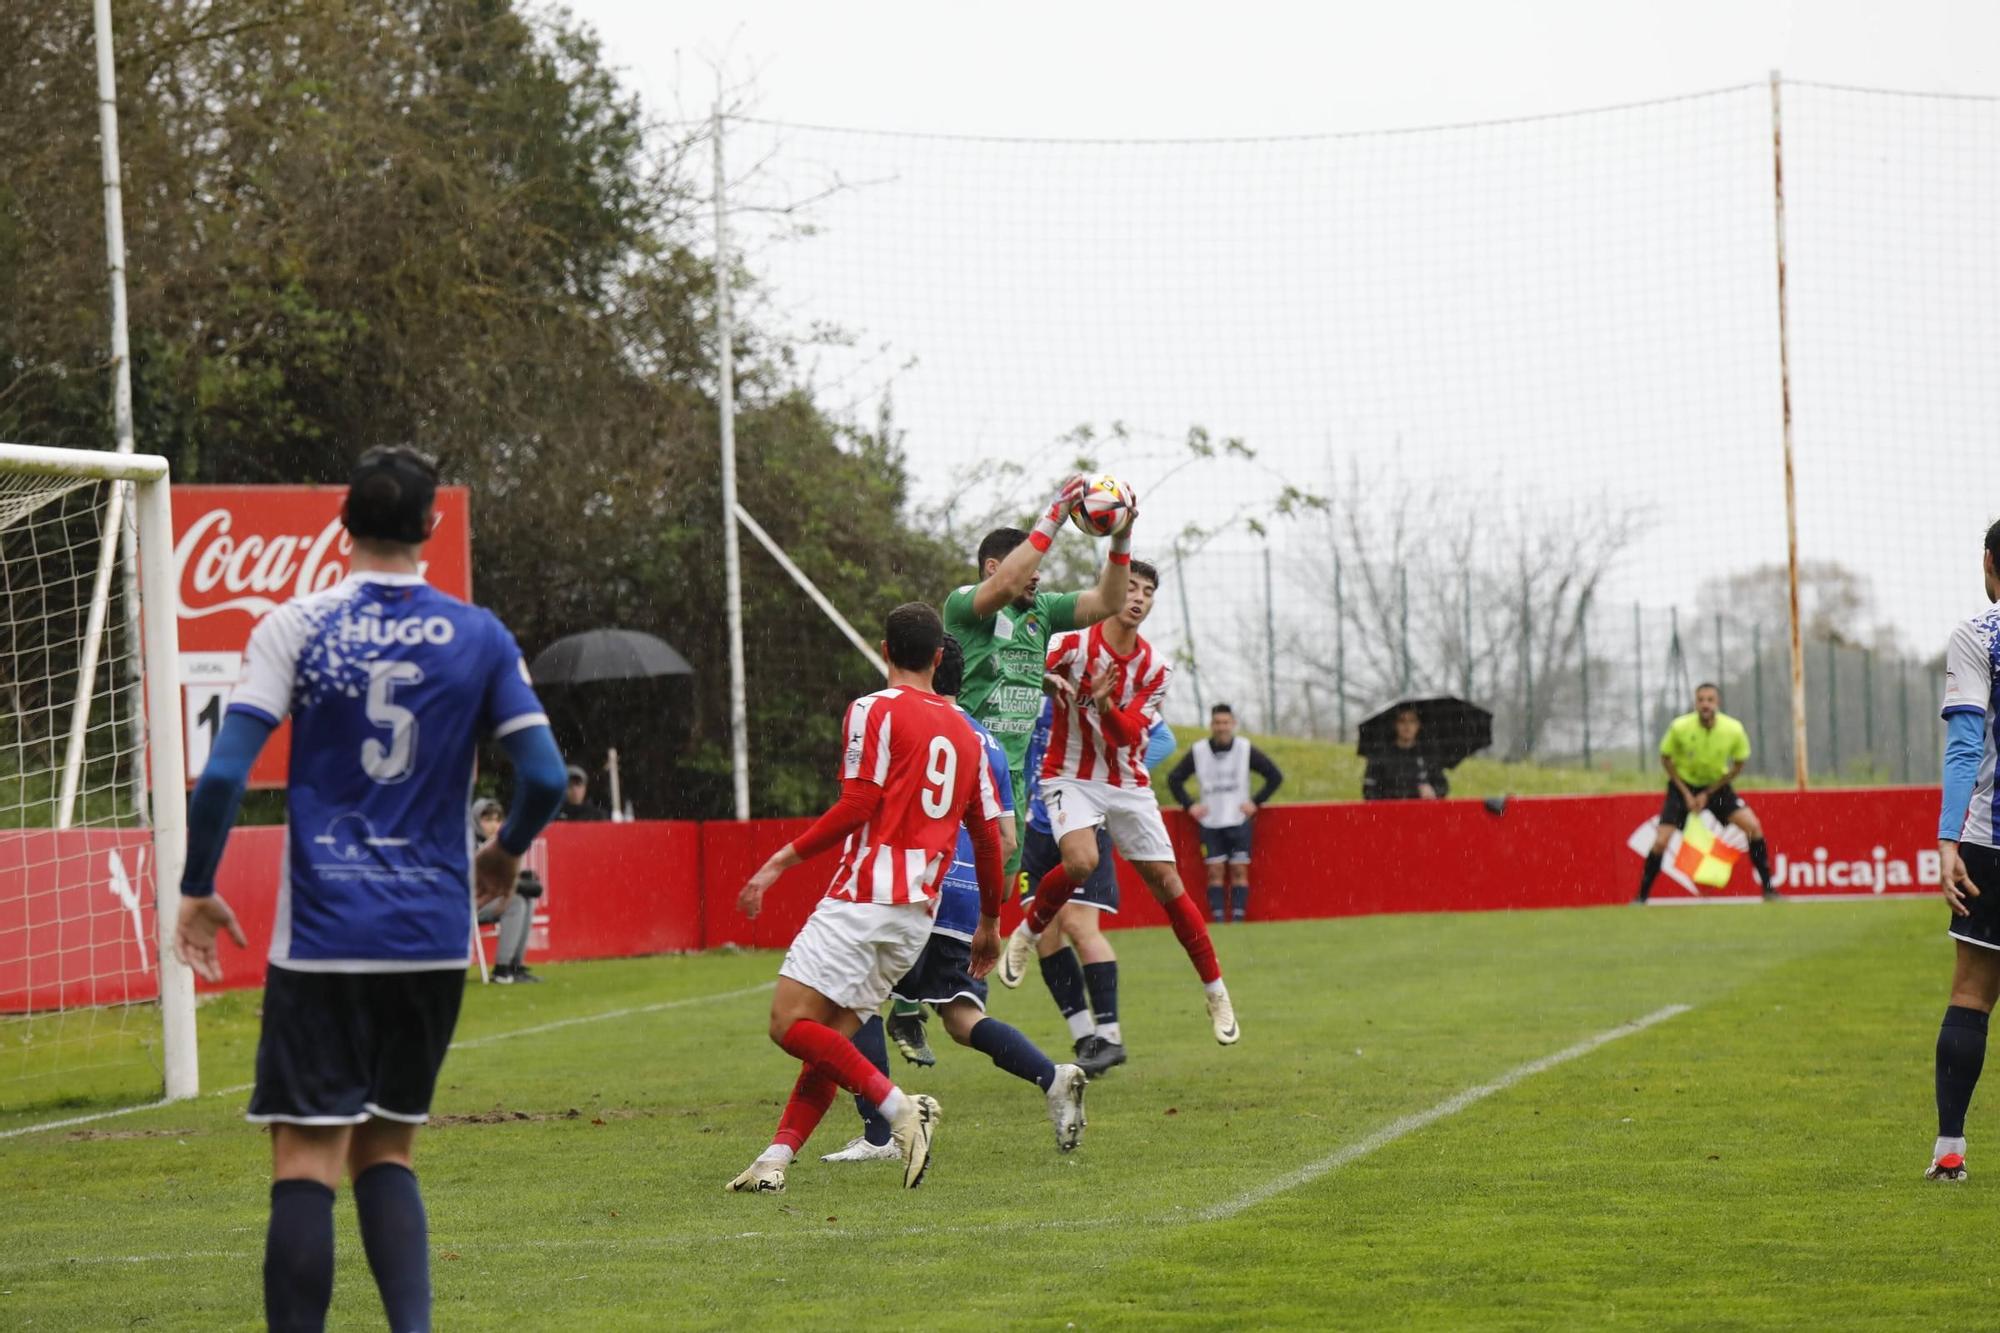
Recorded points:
(239, 551)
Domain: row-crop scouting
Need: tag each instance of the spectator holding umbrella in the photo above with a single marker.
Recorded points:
(577, 805)
(1411, 745)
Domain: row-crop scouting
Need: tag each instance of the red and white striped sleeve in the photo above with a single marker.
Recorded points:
(864, 751)
(1065, 650)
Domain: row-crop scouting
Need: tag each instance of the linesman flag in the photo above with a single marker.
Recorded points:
(1705, 858)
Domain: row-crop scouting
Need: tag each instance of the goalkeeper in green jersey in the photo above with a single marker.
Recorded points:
(1003, 622)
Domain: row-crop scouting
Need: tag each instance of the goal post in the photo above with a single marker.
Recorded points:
(94, 1007)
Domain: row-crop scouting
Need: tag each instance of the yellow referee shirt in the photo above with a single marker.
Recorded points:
(1701, 754)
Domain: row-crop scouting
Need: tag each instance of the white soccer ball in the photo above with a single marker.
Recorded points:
(1106, 507)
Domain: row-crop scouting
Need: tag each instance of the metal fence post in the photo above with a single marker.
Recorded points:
(1403, 599)
(1757, 685)
(1868, 705)
(1639, 687)
(1527, 674)
(1339, 655)
(1270, 650)
(1903, 710)
(1833, 708)
(1583, 645)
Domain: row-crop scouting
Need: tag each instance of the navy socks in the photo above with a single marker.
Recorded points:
(1007, 1048)
(298, 1257)
(396, 1235)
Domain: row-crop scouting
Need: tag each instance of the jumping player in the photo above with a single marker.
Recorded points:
(1004, 622)
(912, 771)
(389, 685)
(1082, 980)
(1108, 687)
(1969, 864)
(942, 977)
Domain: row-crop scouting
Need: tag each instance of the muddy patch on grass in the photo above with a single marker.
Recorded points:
(103, 1135)
(501, 1115)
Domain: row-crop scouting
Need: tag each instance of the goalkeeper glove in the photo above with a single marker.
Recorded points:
(1121, 545)
(1064, 500)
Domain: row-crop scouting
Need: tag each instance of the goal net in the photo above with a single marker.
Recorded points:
(88, 837)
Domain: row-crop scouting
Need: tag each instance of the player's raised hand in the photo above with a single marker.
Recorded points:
(1067, 497)
(494, 870)
(985, 947)
(200, 921)
(1955, 879)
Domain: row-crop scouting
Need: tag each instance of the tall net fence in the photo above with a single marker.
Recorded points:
(1491, 410)
(79, 984)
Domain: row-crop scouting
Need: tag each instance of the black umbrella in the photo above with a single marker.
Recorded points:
(607, 654)
(1451, 729)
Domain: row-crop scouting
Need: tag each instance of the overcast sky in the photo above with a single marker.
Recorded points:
(1090, 69)
(1577, 310)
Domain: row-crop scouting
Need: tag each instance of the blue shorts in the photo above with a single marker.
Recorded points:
(1230, 844)
(338, 1048)
(1040, 854)
(941, 974)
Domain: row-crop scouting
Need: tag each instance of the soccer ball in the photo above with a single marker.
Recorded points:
(1106, 507)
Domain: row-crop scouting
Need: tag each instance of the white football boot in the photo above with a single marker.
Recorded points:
(1223, 1015)
(1014, 960)
(913, 1132)
(861, 1150)
(1066, 1106)
(766, 1175)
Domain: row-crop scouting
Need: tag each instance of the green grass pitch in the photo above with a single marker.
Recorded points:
(1752, 1162)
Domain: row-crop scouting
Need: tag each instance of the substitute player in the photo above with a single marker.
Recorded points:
(1703, 752)
(1969, 864)
(1109, 686)
(942, 977)
(389, 685)
(1004, 622)
(1079, 966)
(911, 771)
(1226, 808)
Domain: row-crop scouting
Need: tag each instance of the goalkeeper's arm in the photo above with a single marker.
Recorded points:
(1016, 570)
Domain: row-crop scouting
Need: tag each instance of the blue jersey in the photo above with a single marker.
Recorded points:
(1160, 744)
(389, 684)
(958, 893)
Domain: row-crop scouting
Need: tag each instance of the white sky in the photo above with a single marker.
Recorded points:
(1085, 69)
(1562, 309)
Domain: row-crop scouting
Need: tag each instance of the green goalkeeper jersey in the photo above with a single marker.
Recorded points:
(1004, 656)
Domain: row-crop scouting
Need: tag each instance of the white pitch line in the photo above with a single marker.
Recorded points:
(456, 1046)
(1410, 1124)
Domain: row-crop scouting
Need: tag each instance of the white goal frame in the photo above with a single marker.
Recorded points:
(166, 760)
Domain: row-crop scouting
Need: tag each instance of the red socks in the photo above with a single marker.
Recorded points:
(1050, 895)
(1192, 932)
(835, 1058)
(811, 1095)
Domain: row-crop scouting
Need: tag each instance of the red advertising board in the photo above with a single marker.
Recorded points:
(239, 551)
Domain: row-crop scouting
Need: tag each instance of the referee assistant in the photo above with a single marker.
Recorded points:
(1703, 751)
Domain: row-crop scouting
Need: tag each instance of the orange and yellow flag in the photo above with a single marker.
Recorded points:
(1703, 857)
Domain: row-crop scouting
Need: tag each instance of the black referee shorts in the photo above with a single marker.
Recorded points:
(338, 1048)
(1722, 803)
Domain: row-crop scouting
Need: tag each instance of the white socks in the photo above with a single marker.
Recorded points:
(1081, 1024)
(1946, 1147)
(892, 1105)
(1111, 1034)
(778, 1153)
(1215, 987)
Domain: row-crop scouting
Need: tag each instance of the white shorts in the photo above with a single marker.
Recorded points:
(852, 953)
(1130, 814)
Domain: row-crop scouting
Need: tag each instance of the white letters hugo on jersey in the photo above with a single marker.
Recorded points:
(1078, 744)
(921, 751)
(389, 684)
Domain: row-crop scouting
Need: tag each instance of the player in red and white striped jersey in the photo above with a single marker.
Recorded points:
(1109, 685)
(912, 771)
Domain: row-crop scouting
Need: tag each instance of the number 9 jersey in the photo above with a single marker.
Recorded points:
(389, 685)
(920, 750)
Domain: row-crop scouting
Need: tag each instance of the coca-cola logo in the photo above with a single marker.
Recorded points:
(217, 571)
